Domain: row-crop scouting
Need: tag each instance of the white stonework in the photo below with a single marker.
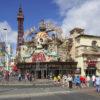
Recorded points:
(83, 50)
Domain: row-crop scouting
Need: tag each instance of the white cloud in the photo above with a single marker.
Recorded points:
(65, 5)
(80, 14)
(11, 34)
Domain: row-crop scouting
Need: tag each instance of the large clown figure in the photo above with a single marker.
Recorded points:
(42, 36)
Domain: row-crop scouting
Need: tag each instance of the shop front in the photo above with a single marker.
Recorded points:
(91, 68)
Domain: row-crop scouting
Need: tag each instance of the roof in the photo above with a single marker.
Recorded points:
(79, 30)
(87, 35)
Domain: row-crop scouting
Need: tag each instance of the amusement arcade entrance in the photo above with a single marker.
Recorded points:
(44, 70)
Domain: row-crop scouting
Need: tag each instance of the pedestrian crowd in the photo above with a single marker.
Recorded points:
(69, 81)
(6, 76)
(76, 81)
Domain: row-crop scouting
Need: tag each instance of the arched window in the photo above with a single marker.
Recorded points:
(94, 46)
(94, 43)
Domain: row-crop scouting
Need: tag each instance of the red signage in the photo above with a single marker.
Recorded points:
(39, 57)
(14, 68)
(91, 63)
(1, 68)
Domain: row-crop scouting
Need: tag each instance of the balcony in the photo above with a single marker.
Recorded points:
(87, 50)
(91, 51)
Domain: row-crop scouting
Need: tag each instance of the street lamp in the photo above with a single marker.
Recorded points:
(5, 29)
(6, 42)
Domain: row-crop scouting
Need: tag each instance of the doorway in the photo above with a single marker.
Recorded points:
(41, 74)
(90, 71)
(38, 74)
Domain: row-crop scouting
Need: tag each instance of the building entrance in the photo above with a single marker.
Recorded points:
(44, 70)
(40, 74)
(90, 71)
(43, 74)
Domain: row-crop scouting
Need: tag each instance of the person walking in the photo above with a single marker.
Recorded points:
(93, 80)
(77, 81)
(70, 81)
(97, 82)
(19, 77)
(30, 77)
(88, 81)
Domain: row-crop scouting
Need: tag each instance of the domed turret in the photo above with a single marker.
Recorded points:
(42, 26)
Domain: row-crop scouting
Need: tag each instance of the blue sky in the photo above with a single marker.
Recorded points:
(68, 14)
(34, 11)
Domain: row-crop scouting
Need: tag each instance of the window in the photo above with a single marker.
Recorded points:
(78, 40)
(94, 46)
(94, 43)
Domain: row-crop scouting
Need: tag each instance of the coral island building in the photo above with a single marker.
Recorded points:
(44, 54)
(47, 53)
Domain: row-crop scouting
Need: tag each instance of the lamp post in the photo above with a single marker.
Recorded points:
(6, 42)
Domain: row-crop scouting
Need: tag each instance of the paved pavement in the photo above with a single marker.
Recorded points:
(23, 82)
(44, 88)
(50, 94)
(35, 83)
(12, 92)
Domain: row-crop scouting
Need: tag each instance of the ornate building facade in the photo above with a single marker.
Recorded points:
(46, 54)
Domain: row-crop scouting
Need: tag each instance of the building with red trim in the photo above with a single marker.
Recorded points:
(85, 50)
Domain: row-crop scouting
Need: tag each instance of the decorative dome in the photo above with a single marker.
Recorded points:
(42, 26)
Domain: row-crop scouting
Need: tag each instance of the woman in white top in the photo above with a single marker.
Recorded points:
(93, 80)
(70, 81)
(88, 81)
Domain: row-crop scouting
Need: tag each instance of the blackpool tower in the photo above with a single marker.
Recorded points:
(20, 19)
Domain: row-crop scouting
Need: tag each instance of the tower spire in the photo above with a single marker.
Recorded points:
(20, 19)
(20, 3)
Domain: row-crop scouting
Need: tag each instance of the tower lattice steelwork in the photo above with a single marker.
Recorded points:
(20, 19)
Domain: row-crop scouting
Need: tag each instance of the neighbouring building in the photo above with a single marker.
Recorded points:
(8, 55)
(5, 55)
(85, 49)
(2, 55)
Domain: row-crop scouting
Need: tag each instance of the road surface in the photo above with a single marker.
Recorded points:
(52, 93)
